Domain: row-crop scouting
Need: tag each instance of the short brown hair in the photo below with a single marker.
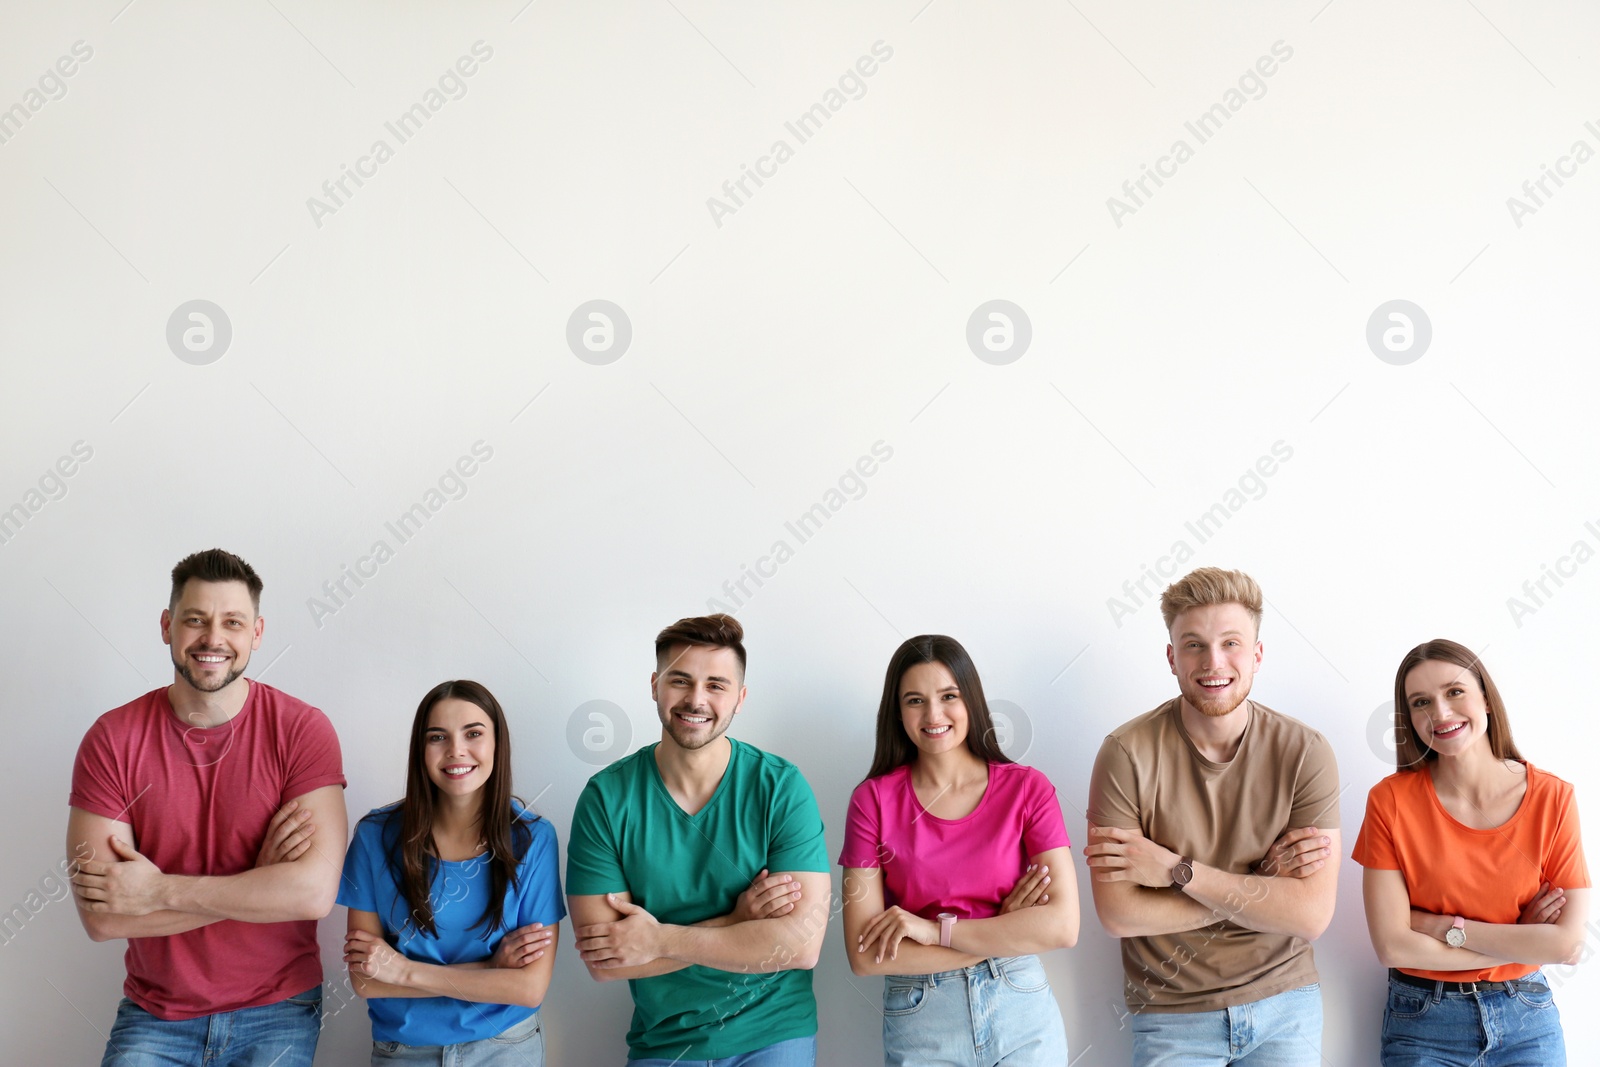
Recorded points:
(1410, 752)
(1206, 586)
(215, 565)
(714, 631)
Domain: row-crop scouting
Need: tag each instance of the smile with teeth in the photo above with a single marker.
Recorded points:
(692, 719)
(1449, 731)
(1215, 683)
(458, 770)
(936, 731)
(210, 657)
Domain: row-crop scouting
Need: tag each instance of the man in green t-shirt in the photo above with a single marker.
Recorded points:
(697, 870)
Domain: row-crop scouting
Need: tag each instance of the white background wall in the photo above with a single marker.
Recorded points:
(1171, 347)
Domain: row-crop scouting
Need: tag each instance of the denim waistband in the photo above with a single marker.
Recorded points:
(993, 966)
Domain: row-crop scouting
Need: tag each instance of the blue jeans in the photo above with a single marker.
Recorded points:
(521, 1045)
(1423, 1028)
(796, 1052)
(1280, 1031)
(280, 1035)
(1000, 1011)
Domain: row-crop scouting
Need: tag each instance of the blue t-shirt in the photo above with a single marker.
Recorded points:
(460, 892)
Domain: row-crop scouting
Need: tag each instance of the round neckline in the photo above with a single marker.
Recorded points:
(988, 791)
(1522, 805)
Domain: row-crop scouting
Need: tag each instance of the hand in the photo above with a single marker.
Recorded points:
(371, 956)
(1029, 890)
(523, 945)
(1546, 905)
(1296, 854)
(768, 897)
(288, 835)
(1128, 856)
(132, 885)
(890, 927)
(631, 941)
(1426, 922)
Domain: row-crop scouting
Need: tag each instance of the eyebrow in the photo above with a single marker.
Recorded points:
(689, 677)
(443, 730)
(918, 692)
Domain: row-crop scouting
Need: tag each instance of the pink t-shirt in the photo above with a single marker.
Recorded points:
(967, 865)
(199, 800)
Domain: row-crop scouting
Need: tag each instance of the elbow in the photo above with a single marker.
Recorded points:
(321, 900)
(1315, 929)
(1114, 926)
(96, 926)
(601, 974)
(1069, 936)
(1571, 949)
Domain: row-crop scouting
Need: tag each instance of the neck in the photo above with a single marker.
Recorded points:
(696, 770)
(949, 769)
(456, 816)
(1473, 771)
(1217, 736)
(194, 708)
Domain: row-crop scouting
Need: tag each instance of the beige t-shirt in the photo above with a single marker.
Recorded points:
(1150, 777)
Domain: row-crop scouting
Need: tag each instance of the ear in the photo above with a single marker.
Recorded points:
(1172, 661)
(166, 626)
(737, 708)
(255, 642)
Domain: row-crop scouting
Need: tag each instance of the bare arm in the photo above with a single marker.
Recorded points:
(883, 940)
(127, 885)
(378, 970)
(1399, 944)
(1128, 909)
(1299, 907)
(636, 939)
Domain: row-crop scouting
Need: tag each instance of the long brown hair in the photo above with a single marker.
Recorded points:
(894, 748)
(412, 852)
(1410, 752)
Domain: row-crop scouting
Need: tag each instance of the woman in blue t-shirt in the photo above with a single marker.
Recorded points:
(454, 896)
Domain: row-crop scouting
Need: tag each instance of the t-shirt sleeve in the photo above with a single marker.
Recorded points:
(1375, 841)
(863, 830)
(1043, 828)
(798, 843)
(594, 864)
(541, 873)
(358, 888)
(314, 757)
(1316, 789)
(1565, 866)
(97, 784)
(1113, 788)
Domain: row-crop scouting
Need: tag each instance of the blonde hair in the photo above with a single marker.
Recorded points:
(1206, 586)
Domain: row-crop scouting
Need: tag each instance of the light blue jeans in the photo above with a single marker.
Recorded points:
(282, 1035)
(1498, 1029)
(796, 1052)
(1280, 1031)
(1000, 1011)
(521, 1045)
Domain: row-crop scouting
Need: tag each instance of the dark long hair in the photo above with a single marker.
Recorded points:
(1410, 751)
(417, 857)
(895, 749)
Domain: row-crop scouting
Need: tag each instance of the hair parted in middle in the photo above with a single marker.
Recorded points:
(1206, 586)
(894, 748)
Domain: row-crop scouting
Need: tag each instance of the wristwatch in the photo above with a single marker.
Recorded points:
(947, 925)
(1182, 873)
(1456, 936)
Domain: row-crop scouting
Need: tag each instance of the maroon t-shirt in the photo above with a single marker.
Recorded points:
(199, 800)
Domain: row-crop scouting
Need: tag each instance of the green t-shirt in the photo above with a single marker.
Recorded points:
(629, 835)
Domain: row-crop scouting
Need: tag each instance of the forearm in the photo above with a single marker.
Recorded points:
(480, 983)
(1128, 910)
(912, 958)
(661, 964)
(282, 892)
(1019, 933)
(1417, 951)
(1292, 906)
(105, 926)
(760, 945)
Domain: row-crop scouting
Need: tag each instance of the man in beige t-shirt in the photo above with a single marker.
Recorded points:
(1214, 847)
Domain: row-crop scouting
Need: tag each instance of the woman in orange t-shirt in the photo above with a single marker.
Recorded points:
(1474, 875)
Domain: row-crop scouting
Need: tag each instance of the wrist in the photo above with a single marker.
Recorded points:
(669, 942)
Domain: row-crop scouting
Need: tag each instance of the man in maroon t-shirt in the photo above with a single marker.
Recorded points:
(213, 822)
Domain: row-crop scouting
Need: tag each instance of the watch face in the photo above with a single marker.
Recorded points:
(1455, 937)
(1182, 874)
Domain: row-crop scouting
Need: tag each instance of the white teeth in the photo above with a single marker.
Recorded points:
(1215, 685)
(1447, 731)
(211, 659)
(935, 731)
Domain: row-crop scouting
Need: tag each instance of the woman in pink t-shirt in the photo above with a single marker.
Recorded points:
(957, 871)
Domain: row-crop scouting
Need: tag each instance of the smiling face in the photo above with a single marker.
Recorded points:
(1447, 708)
(698, 689)
(458, 746)
(931, 709)
(212, 629)
(1214, 655)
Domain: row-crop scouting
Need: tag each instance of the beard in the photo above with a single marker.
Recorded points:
(1215, 706)
(188, 675)
(691, 739)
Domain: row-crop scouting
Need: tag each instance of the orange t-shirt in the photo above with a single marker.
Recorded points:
(1485, 875)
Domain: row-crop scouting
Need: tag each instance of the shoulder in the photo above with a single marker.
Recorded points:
(378, 829)
(749, 761)
(283, 708)
(1147, 729)
(378, 818)
(1547, 786)
(1021, 777)
(1401, 787)
(617, 776)
(1286, 733)
(876, 790)
(137, 713)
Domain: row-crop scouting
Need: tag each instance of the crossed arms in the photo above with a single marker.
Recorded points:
(1549, 930)
(121, 894)
(1292, 893)
(776, 925)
